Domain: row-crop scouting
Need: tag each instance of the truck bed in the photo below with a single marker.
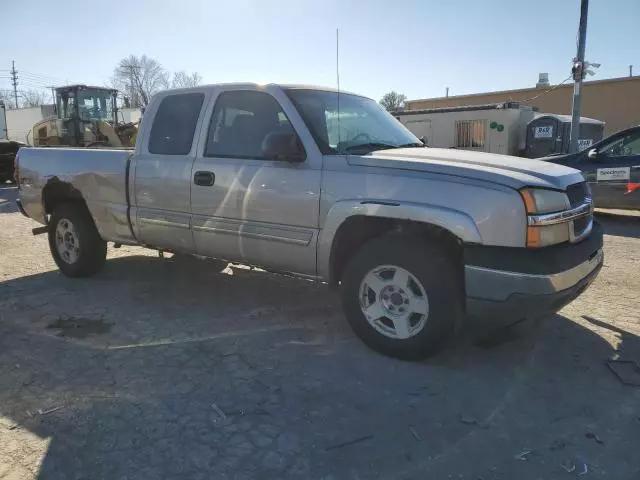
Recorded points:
(99, 174)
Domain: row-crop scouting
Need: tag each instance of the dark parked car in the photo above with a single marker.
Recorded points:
(612, 168)
(8, 150)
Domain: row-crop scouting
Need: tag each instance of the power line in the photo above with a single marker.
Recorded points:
(547, 90)
(42, 78)
(39, 76)
(35, 76)
(23, 81)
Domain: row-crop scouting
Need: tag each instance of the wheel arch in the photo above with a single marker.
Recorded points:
(349, 225)
(56, 192)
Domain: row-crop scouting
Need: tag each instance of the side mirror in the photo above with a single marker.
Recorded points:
(283, 146)
(423, 139)
(592, 154)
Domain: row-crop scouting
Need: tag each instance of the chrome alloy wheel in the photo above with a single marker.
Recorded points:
(67, 242)
(394, 302)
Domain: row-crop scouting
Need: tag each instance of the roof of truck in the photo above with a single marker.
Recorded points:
(284, 86)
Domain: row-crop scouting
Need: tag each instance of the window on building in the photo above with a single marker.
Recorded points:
(175, 124)
(470, 133)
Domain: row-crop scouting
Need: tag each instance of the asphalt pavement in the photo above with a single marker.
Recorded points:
(161, 369)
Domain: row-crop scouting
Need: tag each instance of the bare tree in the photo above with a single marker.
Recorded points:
(33, 98)
(140, 77)
(393, 101)
(182, 79)
(6, 97)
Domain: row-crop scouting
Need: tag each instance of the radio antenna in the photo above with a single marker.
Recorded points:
(338, 76)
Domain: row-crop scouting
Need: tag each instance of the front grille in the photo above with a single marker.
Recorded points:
(578, 193)
(580, 225)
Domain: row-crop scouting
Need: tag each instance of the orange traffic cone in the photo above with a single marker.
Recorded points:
(632, 187)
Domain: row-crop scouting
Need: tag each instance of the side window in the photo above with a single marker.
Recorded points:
(240, 122)
(622, 146)
(632, 146)
(175, 124)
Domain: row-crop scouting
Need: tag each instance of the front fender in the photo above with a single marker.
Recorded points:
(458, 223)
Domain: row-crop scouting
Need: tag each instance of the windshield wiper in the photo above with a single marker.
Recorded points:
(412, 144)
(370, 146)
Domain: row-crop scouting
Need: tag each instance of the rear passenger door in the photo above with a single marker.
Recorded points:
(162, 186)
(248, 207)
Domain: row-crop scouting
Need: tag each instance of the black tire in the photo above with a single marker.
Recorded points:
(91, 249)
(432, 266)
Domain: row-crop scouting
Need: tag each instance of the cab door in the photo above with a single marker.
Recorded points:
(162, 186)
(611, 167)
(248, 207)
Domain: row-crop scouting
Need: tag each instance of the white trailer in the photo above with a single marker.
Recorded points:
(497, 128)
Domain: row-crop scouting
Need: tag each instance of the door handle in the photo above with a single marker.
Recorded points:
(204, 179)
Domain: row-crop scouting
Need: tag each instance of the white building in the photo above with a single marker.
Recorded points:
(20, 122)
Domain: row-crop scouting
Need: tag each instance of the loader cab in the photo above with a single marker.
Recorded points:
(82, 110)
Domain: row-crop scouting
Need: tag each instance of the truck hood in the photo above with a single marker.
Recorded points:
(514, 172)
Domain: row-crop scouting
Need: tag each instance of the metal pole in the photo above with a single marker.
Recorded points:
(53, 99)
(14, 81)
(631, 70)
(577, 86)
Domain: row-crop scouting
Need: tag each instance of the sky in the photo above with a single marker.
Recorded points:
(415, 47)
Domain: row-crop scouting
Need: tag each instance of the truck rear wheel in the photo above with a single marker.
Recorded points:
(74, 241)
(402, 296)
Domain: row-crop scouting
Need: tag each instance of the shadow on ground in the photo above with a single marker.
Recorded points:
(190, 373)
(619, 224)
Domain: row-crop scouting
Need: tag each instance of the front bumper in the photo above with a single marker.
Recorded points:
(540, 282)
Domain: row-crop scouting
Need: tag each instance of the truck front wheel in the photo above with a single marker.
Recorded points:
(402, 296)
(74, 241)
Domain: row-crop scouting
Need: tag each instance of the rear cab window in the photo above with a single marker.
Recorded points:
(174, 124)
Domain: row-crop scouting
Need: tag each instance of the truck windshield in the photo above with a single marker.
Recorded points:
(350, 123)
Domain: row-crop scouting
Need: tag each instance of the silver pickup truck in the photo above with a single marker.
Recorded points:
(326, 185)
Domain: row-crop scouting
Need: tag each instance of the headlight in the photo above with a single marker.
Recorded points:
(539, 201)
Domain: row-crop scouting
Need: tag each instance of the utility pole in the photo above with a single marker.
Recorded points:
(14, 81)
(578, 72)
